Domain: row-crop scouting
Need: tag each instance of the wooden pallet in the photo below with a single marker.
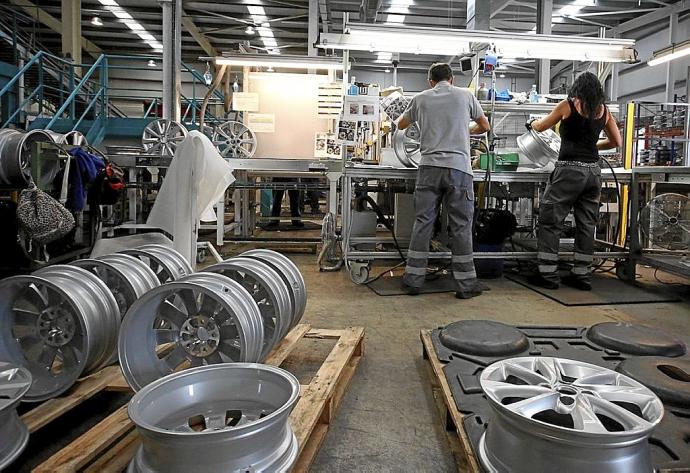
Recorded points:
(110, 445)
(458, 440)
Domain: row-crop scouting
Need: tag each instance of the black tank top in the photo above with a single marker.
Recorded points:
(579, 136)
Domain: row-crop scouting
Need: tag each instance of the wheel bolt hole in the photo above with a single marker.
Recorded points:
(567, 400)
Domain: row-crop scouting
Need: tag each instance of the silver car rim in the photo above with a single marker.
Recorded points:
(554, 414)
(407, 147)
(15, 381)
(166, 263)
(269, 291)
(15, 157)
(290, 274)
(127, 277)
(221, 418)
(234, 140)
(162, 137)
(203, 319)
(60, 322)
(71, 138)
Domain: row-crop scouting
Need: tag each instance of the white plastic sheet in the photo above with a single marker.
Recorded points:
(195, 181)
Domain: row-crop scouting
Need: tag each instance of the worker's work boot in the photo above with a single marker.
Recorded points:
(541, 281)
(577, 283)
(409, 290)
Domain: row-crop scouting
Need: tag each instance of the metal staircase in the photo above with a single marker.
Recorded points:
(52, 93)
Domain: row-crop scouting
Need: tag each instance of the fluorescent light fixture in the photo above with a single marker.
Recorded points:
(447, 41)
(670, 53)
(113, 7)
(96, 21)
(281, 61)
(259, 17)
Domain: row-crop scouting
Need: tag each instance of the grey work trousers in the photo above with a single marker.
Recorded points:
(453, 188)
(575, 187)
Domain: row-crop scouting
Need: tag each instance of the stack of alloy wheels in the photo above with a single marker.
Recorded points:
(127, 277)
(235, 419)
(201, 319)
(234, 311)
(555, 414)
(166, 263)
(269, 291)
(290, 274)
(15, 381)
(60, 323)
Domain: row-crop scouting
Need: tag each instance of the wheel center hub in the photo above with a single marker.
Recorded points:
(56, 327)
(199, 336)
(673, 221)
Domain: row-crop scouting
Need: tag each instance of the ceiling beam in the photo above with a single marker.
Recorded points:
(497, 6)
(658, 15)
(54, 24)
(198, 36)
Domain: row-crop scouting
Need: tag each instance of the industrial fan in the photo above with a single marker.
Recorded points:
(665, 221)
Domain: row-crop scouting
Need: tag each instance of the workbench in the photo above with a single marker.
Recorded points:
(358, 261)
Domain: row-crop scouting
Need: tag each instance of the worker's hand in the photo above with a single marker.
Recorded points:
(529, 122)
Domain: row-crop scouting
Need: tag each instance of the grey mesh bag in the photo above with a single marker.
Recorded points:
(41, 218)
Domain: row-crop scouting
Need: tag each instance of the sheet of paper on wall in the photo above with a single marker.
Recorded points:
(347, 132)
(326, 145)
(330, 101)
(245, 102)
(261, 122)
(361, 108)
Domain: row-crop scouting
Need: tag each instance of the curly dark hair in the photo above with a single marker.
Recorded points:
(589, 91)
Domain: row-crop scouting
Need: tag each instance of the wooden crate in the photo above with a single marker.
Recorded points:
(110, 445)
(458, 440)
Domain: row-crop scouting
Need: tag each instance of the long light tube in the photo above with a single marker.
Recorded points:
(282, 61)
(669, 54)
(445, 41)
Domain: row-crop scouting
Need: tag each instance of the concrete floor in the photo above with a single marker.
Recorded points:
(387, 421)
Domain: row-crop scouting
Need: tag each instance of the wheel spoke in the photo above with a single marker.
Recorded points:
(171, 313)
(214, 358)
(534, 405)
(175, 358)
(164, 336)
(584, 417)
(528, 375)
(189, 299)
(626, 418)
(548, 369)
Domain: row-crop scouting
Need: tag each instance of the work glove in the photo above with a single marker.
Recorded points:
(528, 123)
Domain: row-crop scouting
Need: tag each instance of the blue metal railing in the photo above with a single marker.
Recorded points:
(90, 95)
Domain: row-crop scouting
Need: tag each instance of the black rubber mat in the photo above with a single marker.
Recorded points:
(605, 291)
(391, 286)
(463, 365)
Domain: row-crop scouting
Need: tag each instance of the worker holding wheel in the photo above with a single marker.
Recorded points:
(576, 181)
(443, 114)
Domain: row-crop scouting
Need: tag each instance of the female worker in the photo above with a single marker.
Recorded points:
(576, 181)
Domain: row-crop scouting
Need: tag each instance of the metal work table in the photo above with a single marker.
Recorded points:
(358, 260)
(667, 260)
(246, 172)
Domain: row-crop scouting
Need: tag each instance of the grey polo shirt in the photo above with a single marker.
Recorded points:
(443, 115)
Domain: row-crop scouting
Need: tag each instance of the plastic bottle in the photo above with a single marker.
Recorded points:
(533, 95)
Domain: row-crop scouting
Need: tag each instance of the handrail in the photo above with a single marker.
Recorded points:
(89, 107)
(75, 92)
(21, 72)
(21, 107)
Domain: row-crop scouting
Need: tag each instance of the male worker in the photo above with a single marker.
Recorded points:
(443, 115)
